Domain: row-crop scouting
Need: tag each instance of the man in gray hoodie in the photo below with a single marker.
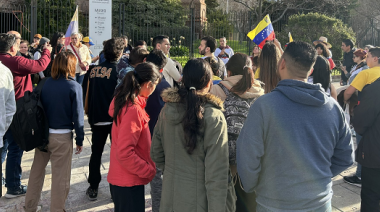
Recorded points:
(294, 140)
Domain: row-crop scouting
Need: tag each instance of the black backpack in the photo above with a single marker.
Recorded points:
(235, 111)
(30, 127)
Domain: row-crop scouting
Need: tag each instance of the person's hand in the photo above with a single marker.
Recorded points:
(48, 47)
(78, 149)
(277, 43)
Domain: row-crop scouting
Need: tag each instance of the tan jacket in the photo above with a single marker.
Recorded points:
(254, 92)
(84, 54)
(197, 182)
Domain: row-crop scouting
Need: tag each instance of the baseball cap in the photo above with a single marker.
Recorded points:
(38, 36)
(88, 40)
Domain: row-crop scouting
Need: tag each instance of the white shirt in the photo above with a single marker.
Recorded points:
(171, 73)
(227, 54)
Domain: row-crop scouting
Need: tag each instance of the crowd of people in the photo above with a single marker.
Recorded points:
(228, 132)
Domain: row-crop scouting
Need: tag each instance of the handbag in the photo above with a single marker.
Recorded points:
(83, 68)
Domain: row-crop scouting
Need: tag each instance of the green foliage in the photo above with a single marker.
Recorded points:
(211, 5)
(179, 51)
(218, 24)
(309, 27)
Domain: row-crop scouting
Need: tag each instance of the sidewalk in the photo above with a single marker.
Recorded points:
(346, 197)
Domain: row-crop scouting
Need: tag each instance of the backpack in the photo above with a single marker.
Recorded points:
(235, 111)
(30, 127)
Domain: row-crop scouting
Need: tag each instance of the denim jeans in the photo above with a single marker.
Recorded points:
(79, 78)
(13, 167)
(358, 167)
(324, 208)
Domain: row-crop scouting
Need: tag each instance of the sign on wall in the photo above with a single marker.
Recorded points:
(100, 20)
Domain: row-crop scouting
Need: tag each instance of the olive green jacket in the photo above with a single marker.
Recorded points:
(197, 182)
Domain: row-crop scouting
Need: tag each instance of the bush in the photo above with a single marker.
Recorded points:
(179, 51)
(309, 27)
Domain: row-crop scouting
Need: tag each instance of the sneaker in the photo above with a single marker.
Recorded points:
(20, 191)
(92, 194)
(353, 180)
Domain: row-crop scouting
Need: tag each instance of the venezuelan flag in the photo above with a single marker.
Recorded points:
(290, 38)
(264, 31)
(73, 27)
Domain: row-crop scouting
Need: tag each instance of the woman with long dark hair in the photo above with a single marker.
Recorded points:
(190, 146)
(58, 43)
(322, 75)
(130, 164)
(325, 52)
(269, 57)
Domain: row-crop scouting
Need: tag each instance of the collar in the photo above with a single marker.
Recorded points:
(6, 54)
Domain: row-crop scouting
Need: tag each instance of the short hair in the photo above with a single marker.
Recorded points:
(300, 57)
(375, 52)
(140, 43)
(210, 42)
(137, 56)
(24, 41)
(6, 42)
(325, 51)
(158, 58)
(214, 65)
(159, 39)
(222, 37)
(64, 64)
(113, 48)
(361, 53)
(80, 36)
(348, 42)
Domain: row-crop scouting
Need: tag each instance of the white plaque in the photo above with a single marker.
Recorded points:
(100, 21)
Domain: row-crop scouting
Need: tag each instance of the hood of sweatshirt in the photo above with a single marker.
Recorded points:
(302, 92)
(254, 92)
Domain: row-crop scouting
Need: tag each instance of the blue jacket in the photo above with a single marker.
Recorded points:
(63, 104)
(294, 140)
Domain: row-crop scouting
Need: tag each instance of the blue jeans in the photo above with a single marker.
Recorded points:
(79, 78)
(13, 167)
(324, 208)
(358, 167)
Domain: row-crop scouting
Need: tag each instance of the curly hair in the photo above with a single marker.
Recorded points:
(113, 48)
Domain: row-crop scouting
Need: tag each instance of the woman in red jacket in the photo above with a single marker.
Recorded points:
(130, 164)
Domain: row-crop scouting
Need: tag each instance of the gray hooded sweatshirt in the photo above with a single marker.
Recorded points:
(294, 140)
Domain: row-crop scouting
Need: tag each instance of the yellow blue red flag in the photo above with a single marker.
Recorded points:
(264, 31)
(73, 27)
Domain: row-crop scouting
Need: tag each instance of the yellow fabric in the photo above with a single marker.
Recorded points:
(216, 78)
(290, 38)
(263, 23)
(366, 77)
(257, 73)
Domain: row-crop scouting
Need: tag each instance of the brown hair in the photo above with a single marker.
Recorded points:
(269, 57)
(137, 56)
(360, 53)
(64, 64)
(214, 65)
(240, 64)
(24, 41)
(254, 49)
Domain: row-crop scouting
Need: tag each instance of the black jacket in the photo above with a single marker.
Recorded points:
(348, 61)
(103, 80)
(366, 122)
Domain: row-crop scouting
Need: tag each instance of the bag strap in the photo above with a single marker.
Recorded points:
(80, 62)
(225, 90)
(39, 87)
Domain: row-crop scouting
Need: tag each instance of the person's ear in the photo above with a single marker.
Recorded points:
(207, 49)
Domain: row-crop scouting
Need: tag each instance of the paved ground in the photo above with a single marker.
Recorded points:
(346, 197)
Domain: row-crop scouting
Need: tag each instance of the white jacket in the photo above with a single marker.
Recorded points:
(7, 100)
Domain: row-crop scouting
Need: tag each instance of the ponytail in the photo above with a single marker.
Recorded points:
(241, 64)
(246, 82)
(130, 88)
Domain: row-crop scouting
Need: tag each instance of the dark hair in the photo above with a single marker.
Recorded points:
(24, 41)
(196, 73)
(159, 39)
(64, 64)
(220, 37)
(137, 56)
(321, 73)
(124, 37)
(113, 48)
(300, 58)
(325, 51)
(375, 52)
(348, 42)
(55, 38)
(158, 58)
(255, 61)
(140, 43)
(214, 65)
(6, 42)
(240, 64)
(130, 88)
(257, 48)
(269, 57)
(210, 42)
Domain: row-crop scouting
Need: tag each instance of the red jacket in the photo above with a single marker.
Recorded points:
(21, 69)
(130, 162)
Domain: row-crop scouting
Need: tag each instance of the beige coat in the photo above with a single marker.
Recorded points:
(197, 182)
(84, 54)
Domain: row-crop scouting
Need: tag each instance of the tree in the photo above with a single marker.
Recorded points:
(217, 21)
(280, 8)
(309, 27)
